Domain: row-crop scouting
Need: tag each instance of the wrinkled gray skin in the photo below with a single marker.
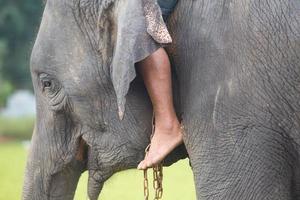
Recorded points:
(238, 68)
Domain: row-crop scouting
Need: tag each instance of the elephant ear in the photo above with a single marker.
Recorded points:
(155, 24)
(140, 31)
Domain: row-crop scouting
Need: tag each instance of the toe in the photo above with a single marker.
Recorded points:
(149, 163)
(142, 165)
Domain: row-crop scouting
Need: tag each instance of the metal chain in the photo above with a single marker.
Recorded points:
(157, 174)
(157, 182)
(146, 185)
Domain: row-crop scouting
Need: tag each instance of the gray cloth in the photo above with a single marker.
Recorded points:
(141, 31)
(167, 7)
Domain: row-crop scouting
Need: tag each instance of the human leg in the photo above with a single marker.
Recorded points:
(156, 72)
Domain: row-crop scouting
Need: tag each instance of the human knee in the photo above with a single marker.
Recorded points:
(161, 59)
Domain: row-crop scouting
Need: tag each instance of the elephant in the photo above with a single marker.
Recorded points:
(236, 67)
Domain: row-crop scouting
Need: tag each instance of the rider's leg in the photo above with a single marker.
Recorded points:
(156, 72)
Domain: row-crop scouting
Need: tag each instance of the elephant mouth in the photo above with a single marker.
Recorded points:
(82, 151)
(95, 182)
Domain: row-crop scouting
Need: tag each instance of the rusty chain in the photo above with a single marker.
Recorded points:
(157, 173)
(157, 182)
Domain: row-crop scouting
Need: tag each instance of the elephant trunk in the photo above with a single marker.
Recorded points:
(60, 186)
(43, 181)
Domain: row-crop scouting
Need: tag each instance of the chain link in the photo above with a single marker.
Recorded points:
(146, 185)
(157, 182)
(157, 174)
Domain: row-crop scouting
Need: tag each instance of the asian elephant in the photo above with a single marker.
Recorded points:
(236, 87)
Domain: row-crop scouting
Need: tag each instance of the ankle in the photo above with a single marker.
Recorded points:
(167, 123)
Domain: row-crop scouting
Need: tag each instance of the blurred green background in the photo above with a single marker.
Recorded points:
(19, 20)
(18, 26)
(127, 185)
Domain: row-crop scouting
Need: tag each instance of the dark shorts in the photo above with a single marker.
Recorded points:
(167, 7)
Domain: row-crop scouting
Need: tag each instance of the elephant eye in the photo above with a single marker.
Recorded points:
(47, 84)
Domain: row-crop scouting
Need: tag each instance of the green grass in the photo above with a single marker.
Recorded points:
(127, 185)
(12, 162)
(17, 128)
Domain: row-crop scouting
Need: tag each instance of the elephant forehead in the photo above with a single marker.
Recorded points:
(62, 51)
(59, 42)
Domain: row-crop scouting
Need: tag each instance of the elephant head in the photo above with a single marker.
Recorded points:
(81, 65)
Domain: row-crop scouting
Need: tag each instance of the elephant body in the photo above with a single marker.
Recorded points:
(236, 88)
(238, 66)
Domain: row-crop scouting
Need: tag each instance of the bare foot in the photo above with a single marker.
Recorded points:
(164, 140)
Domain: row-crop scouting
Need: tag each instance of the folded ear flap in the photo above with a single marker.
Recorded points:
(155, 24)
(135, 26)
